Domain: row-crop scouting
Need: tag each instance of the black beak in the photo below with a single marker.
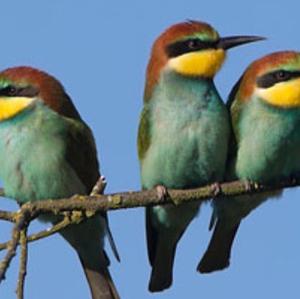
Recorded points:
(234, 41)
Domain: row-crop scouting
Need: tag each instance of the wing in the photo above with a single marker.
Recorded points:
(81, 153)
(233, 106)
(233, 92)
(144, 136)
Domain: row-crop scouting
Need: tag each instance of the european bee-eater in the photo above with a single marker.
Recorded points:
(265, 114)
(183, 131)
(47, 151)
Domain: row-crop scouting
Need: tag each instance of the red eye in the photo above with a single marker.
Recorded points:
(194, 44)
(282, 75)
(11, 90)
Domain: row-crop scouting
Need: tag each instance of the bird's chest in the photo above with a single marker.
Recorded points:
(185, 138)
(32, 159)
(271, 149)
(178, 129)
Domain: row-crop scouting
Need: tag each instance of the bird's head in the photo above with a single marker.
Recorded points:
(192, 49)
(274, 79)
(21, 87)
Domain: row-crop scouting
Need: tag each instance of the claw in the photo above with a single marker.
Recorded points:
(216, 189)
(162, 192)
(248, 185)
(100, 186)
(103, 179)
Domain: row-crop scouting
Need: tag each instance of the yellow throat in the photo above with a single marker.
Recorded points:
(11, 106)
(285, 94)
(204, 63)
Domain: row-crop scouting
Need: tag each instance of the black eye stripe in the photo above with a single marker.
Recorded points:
(13, 91)
(272, 78)
(189, 45)
(8, 91)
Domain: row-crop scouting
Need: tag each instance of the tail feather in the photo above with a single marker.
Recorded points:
(162, 268)
(87, 239)
(217, 255)
(99, 280)
(151, 235)
(112, 242)
(161, 246)
(162, 242)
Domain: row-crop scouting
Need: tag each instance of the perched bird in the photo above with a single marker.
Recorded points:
(47, 151)
(183, 132)
(265, 114)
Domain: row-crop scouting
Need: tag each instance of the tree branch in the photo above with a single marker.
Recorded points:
(95, 203)
(23, 264)
(21, 223)
(22, 219)
(136, 199)
(79, 207)
(7, 216)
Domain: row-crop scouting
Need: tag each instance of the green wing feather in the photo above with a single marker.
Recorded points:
(233, 106)
(144, 136)
(144, 140)
(233, 92)
(81, 153)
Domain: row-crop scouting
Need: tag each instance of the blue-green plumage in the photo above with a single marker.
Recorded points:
(269, 153)
(267, 143)
(188, 131)
(33, 146)
(183, 132)
(268, 150)
(48, 152)
(181, 111)
(271, 150)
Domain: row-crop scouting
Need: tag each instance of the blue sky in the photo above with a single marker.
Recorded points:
(99, 51)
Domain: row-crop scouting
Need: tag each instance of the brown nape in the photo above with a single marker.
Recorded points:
(50, 90)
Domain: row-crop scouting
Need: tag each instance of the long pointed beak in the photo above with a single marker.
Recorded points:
(234, 41)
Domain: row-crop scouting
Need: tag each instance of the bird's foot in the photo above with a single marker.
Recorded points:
(161, 191)
(250, 185)
(100, 186)
(216, 189)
